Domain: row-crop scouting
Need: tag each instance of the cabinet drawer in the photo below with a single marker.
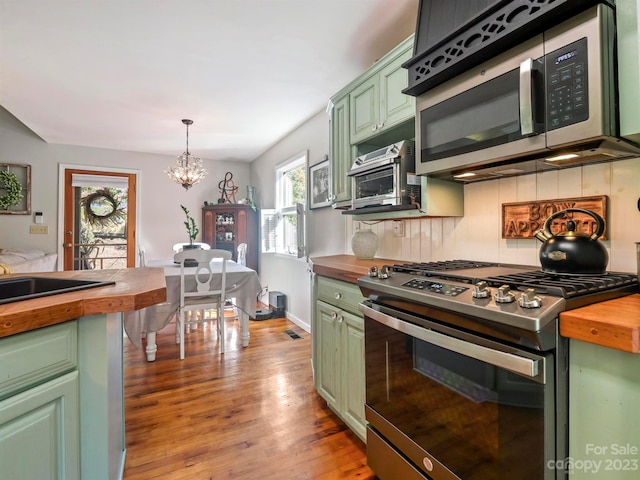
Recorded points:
(341, 294)
(30, 358)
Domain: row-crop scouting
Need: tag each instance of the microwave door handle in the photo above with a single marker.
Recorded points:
(526, 97)
(509, 361)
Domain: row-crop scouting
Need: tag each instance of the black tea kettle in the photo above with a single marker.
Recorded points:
(570, 251)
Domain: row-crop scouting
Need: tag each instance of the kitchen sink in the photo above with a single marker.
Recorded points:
(25, 288)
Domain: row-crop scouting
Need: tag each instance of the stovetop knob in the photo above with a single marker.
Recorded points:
(529, 299)
(384, 272)
(504, 295)
(481, 290)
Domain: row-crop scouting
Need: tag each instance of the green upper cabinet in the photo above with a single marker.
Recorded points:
(378, 104)
(371, 105)
(365, 110)
(340, 152)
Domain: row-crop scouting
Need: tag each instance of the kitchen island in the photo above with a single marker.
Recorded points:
(61, 376)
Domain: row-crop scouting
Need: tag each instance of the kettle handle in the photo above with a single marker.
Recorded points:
(599, 221)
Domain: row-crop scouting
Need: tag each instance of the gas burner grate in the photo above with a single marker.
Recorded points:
(426, 268)
(566, 286)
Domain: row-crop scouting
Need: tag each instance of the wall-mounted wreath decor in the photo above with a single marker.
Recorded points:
(103, 207)
(15, 189)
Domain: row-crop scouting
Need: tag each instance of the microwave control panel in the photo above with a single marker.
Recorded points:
(566, 84)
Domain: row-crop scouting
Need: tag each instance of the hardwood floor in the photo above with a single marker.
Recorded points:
(252, 413)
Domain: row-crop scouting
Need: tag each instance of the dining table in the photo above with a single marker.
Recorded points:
(242, 285)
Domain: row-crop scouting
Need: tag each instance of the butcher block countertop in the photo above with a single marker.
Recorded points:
(614, 323)
(135, 288)
(347, 267)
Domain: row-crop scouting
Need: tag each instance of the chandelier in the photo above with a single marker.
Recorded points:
(188, 169)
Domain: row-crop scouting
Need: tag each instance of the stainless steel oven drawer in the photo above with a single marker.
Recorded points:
(386, 462)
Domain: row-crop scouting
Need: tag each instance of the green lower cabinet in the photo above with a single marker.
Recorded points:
(327, 330)
(40, 433)
(353, 391)
(339, 352)
(61, 401)
(604, 413)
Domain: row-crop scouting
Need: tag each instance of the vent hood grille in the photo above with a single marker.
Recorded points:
(455, 35)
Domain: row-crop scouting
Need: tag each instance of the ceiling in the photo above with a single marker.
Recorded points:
(121, 74)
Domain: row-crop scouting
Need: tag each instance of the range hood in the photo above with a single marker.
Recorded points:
(455, 35)
(597, 150)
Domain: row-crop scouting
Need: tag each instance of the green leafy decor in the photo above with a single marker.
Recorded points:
(13, 190)
(190, 223)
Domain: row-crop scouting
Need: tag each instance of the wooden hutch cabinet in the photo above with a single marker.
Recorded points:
(227, 225)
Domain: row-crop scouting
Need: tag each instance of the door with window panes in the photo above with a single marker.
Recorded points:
(283, 227)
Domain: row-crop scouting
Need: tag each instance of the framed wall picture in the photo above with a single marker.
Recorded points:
(15, 189)
(319, 182)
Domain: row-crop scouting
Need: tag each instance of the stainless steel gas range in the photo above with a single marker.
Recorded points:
(466, 373)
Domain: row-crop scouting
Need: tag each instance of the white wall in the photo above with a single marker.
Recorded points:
(160, 217)
(325, 227)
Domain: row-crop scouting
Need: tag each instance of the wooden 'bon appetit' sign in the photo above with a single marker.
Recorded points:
(523, 219)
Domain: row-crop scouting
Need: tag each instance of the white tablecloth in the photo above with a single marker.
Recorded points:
(243, 284)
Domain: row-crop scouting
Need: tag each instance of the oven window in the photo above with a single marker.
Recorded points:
(374, 184)
(480, 421)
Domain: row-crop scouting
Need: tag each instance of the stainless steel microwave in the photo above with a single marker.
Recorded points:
(550, 102)
(385, 177)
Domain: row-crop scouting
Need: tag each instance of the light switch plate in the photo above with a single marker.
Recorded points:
(39, 229)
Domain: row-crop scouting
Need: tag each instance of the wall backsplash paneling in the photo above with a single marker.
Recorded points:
(477, 235)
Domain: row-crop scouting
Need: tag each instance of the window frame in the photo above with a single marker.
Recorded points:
(274, 221)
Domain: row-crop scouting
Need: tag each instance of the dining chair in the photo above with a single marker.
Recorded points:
(206, 296)
(179, 246)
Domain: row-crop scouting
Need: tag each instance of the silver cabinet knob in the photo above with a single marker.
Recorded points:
(338, 295)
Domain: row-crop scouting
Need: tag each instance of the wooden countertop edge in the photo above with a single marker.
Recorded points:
(135, 288)
(613, 323)
(347, 268)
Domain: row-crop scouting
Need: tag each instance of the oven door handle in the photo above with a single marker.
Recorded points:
(508, 361)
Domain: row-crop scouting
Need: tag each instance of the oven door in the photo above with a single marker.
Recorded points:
(453, 405)
(492, 112)
(379, 186)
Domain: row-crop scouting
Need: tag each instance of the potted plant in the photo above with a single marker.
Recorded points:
(192, 228)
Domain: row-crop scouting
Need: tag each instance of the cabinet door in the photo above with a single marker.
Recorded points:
(40, 432)
(364, 110)
(209, 227)
(341, 158)
(327, 331)
(353, 381)
(396, 107)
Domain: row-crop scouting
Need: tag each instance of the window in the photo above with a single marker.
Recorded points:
(283, 228)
